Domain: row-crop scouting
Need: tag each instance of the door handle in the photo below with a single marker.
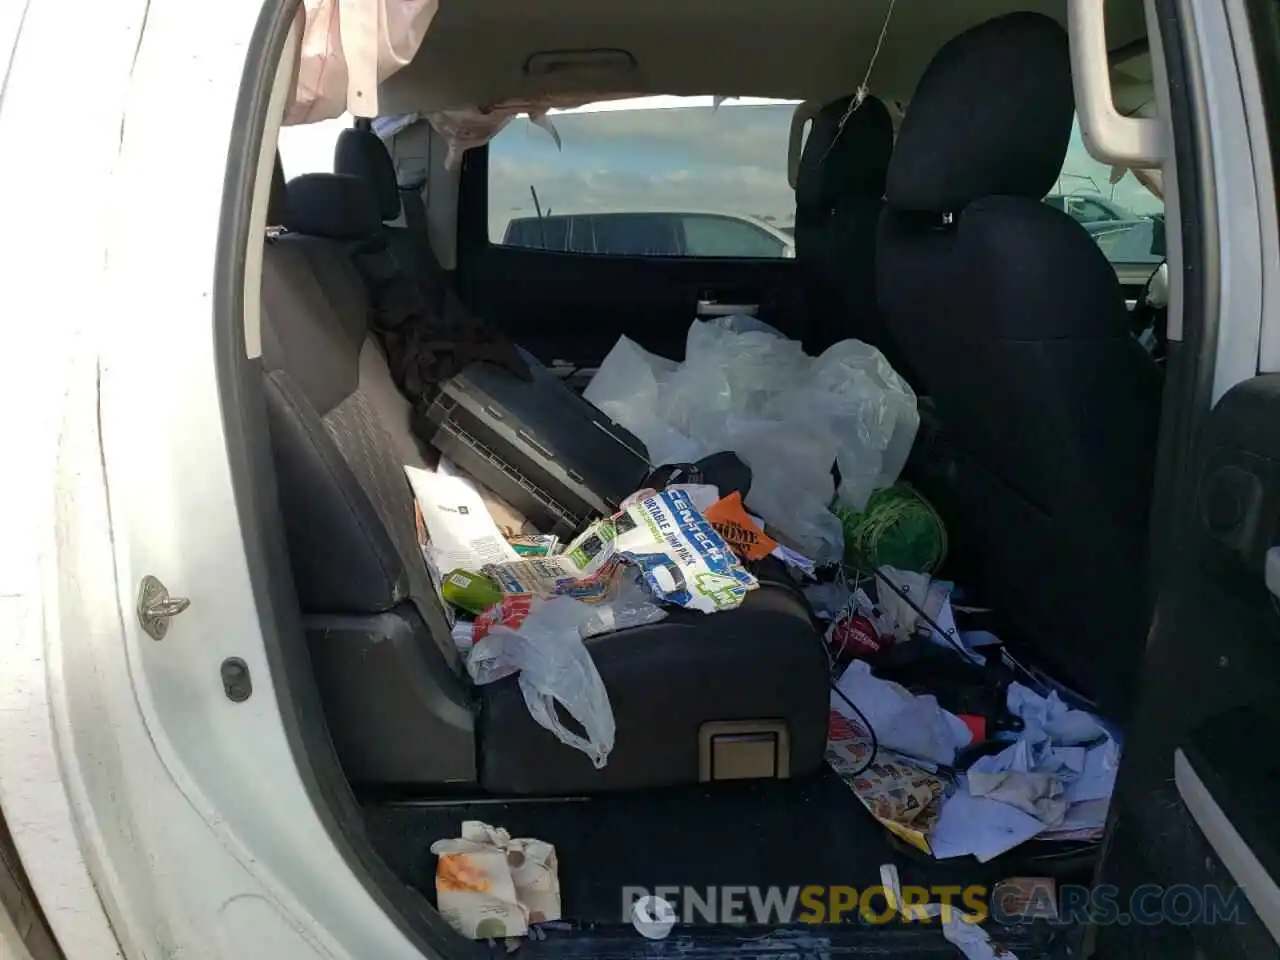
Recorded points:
(713, 308)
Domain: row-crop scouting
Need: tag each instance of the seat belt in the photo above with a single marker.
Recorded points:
(415, 211)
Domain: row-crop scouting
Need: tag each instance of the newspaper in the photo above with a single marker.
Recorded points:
(904, 797)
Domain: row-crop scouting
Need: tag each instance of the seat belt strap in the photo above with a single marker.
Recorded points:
(415, 211)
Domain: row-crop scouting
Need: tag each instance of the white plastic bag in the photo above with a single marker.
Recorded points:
(745, 388)
(872, 413)
(545, 646)
(626, 388)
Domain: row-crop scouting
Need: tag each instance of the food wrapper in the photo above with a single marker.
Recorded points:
(904, 797)
(683, 560)
(490, 886)
(584, 571)
(537, 545)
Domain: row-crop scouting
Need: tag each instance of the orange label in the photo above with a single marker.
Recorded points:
(729, 518)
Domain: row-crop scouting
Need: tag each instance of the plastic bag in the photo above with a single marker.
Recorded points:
(873, 415)
(542, 639)
(745, 388)
(627, 605)
(627, 387)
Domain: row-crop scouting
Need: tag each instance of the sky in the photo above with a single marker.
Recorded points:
(730, 159)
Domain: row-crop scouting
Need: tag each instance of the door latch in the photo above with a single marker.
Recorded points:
(156, 607)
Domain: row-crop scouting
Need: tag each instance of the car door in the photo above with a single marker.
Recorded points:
(640, 168)
(1193, 857)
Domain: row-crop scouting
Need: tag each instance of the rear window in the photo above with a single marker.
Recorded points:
(658, 176)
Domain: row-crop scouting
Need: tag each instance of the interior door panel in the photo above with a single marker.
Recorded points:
(1202, 755)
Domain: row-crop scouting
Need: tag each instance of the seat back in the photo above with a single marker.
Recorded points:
(1016, 323)
(398, 707)
(839, 195)
(362, 154)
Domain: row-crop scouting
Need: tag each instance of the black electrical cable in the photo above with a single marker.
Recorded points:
(933, 624)
(875, 744)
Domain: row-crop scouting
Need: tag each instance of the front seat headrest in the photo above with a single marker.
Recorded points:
(836, 163)
(361, 153)
(332, 205)
(991, 116)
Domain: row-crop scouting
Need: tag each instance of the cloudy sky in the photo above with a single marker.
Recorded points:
(732, 160)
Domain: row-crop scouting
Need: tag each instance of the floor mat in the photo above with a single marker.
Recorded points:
(763, 833)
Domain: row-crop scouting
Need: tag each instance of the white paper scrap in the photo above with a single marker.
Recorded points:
(982, 827)
(460, 531)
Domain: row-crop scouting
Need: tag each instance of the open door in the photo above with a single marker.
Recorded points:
(1193, 856)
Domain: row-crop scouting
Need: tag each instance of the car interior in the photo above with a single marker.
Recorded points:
(920, 227)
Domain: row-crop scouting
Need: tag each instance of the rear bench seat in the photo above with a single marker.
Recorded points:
(399, 705)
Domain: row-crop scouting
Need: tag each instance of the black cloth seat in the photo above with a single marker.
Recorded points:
(399, 705)
(839, 196)
(1016, 322)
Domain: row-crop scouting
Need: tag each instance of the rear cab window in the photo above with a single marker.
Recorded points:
(651, 177)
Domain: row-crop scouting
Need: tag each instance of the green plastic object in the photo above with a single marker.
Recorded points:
(470, 591)
(899, 528)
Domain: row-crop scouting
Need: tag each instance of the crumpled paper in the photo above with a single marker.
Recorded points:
(1039, 794)
(911, 724)
(489, 885)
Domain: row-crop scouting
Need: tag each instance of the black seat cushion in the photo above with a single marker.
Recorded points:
(1016, 323)
(764, 660)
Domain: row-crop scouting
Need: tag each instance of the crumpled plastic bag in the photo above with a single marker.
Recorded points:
(628, 604)
(746, 388)
(490, 886)
(629, 385)
(542, 640)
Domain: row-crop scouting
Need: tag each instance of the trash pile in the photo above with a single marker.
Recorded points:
(756, 453)
(524, 603)
(943, 736)
(746, 388)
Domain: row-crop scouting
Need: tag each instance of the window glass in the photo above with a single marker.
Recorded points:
(706, 235)
(308, 147)
(657, 176)
(1124, 218)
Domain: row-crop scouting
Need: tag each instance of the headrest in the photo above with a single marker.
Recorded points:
(332, 205)
(277, 212)
(361, 153)
(836, 163)
(991, 116)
